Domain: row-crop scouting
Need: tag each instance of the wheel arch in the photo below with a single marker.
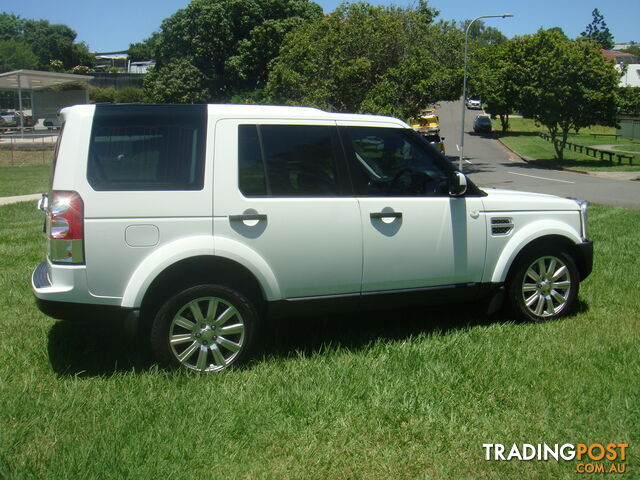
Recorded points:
(195, 258)
(202, 269)
(530, 239)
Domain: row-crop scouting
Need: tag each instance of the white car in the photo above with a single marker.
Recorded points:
(473, 104)
(202, 220)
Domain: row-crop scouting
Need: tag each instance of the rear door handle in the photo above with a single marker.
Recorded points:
(247, 216)
(385, 214)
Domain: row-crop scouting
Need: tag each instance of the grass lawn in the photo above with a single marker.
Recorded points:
(396, 395)
(24, 180)
(523, 138)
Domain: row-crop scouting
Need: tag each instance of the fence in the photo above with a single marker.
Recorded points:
(591, 151)
(30, 150)
(629, 128)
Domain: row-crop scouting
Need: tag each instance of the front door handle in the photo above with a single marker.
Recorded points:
(385, 215)
(247, 216)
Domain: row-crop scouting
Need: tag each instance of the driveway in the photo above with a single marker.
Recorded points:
(489, 164)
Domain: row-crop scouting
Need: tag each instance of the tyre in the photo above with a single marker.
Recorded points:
(543, 284)
(205, 328)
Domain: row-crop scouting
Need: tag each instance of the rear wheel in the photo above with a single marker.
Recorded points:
(205, 328)
(543, 284)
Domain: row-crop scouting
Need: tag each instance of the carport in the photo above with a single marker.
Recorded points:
(31, 80)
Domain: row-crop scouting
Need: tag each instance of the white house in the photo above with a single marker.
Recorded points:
(631, 77)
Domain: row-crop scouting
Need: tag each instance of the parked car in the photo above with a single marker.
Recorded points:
(434, 139)
(8, 118)
(202, 221)
(427, 122)
(482, 124)
(474, 104)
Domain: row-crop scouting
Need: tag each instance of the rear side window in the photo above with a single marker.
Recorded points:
(288, 160)
(147, 147)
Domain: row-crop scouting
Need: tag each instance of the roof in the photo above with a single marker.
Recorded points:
(35, 80)
(618, 56)
(262, 111)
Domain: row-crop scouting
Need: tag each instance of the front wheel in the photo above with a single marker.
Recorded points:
(543, 285)
(205, 328)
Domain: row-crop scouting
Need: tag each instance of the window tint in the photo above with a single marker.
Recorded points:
(147, 147)
(251, 168)
(298, 159)
(393, 162)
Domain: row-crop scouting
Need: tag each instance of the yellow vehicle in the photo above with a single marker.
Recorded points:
(427, 122)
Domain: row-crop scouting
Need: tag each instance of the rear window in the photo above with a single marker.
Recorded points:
(147, 147)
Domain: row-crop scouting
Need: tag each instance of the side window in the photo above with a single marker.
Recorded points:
(147, 147)
(392, 162)
(298, 160)
(251, 172)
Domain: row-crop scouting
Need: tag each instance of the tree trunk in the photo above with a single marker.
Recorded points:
(558, 145)
(504, 121)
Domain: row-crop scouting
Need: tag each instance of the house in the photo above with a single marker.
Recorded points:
(630, 74)
(120, 60)
(619, 57)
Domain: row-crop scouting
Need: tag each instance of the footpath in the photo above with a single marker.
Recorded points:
(19, 198)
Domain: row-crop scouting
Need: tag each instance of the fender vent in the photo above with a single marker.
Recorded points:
(501, 225)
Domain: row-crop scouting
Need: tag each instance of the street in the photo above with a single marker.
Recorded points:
(489, 164)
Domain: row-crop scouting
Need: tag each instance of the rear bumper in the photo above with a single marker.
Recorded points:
(82, 311)
(61, 292)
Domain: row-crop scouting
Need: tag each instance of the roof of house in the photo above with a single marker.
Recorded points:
(614, 54)
(34, 80)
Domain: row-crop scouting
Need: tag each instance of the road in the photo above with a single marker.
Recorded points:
(489, 164)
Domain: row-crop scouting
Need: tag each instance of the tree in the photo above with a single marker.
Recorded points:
(145, 50)
(365, 58)
(482, 34)
(16, 55)
(629, 100)
(227, 44)
(597, 31)
(179, 81)
(570, 85)
(11, 26)
(502, 77)
(56, 42)
(49, 42)
(633, 49)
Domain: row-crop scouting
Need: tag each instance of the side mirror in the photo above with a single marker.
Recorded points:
(457, 184)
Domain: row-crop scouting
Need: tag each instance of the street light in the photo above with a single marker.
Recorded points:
(464, 83)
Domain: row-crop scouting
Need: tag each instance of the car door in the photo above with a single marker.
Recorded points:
(281, 189)
(415, 235)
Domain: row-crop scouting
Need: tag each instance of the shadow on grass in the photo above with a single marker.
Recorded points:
(102, 348)
(307, 337)
(94, 348)
(105, 348)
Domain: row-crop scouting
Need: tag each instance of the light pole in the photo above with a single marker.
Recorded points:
(464, 82)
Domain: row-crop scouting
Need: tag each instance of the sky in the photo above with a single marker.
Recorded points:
(112, 26)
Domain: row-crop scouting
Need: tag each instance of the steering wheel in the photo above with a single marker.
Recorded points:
(418, 181)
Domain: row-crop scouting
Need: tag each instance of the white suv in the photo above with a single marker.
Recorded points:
(202, 220)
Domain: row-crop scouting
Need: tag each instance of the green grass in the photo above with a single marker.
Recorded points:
(401, 395)
(523, 138)
(25, 157)
(24, 180)
(630, 147)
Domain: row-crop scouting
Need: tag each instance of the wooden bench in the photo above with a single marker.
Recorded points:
(594, 135)
(624, 155)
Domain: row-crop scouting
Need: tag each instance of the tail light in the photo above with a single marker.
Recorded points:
(65, 227)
